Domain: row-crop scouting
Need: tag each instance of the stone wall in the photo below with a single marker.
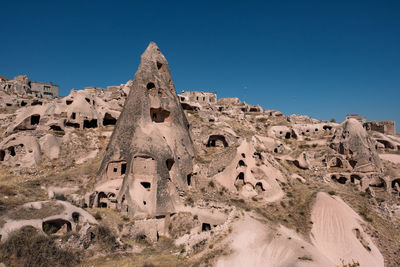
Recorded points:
(199, 97)
(385, 127)
(44, 89)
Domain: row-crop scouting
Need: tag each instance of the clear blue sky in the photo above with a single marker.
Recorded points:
(320, 58)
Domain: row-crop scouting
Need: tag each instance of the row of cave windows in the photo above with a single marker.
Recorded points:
(169, 163)
(289, 135)
(69, 101)
(145, 185)
(108, 120)
(157, 115)
(220, 141)
(343, 180)
(354, 178)
(220, 109)
(198, 98)
(33, 103)
(239, 182)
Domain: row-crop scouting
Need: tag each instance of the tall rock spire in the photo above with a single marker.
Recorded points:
(149, 157)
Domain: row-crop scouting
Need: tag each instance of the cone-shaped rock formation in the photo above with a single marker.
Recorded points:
(353, 141)
(149, 158)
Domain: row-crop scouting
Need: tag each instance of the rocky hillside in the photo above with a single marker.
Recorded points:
(137, 175)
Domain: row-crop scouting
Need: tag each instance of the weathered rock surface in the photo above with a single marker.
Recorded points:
(150, 149)
(352, 140)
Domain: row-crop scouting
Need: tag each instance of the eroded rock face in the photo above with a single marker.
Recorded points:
(51, 217)
(150, 150)
(251, 174)
(337, 232)
(353, 141)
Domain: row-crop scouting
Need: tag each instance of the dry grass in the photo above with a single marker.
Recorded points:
(47, 209)
(294, 210)
(240, 128)
(16, 190)
(212, 153)
(8, 110)
(27, 247)
(163, 253)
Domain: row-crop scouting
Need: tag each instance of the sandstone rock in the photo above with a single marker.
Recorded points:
(250, 174)
(150, 148)
(20, 150)
(22, 78)
(52, 217)
(353, 141)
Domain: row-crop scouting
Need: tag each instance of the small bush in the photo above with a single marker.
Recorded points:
(305, 258)
(332, 120)
(27, 247)
(105, 238)
(364, 212)
(211, 184)
(353, 264)
(189, 201)
(193, 112)
(332, 193)
(97, 216)
(141, 239)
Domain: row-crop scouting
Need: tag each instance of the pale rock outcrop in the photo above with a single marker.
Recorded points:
(283, 132)
(338, 233)
(52, 217)
(251, 174)
(270, 144)
(258, 245)
(50, 145)
(20, 150)
(385, 142)
(352, 140)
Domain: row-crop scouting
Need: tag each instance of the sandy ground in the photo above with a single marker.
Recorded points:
(337, 233)
(390, 157)
(256, 244)
(337, 238)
